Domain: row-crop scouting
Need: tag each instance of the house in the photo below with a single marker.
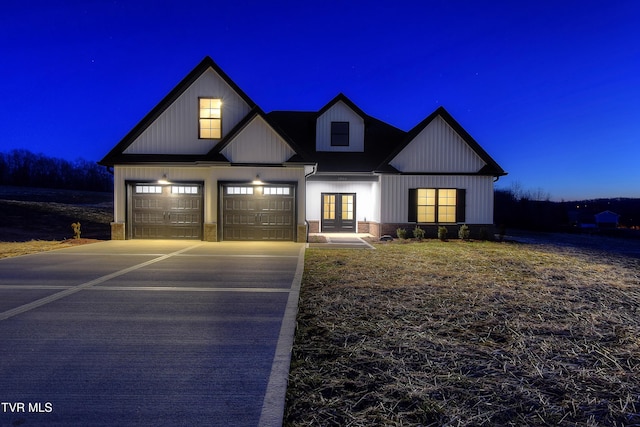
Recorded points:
(207, 163)
(607, 219)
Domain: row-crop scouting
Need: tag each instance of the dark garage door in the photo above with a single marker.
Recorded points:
(166, 211)
(258, 212)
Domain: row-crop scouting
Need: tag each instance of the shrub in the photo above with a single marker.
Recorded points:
(464, 232)
(418, 233)
(442, 233)
(401, 233)
(76, 230)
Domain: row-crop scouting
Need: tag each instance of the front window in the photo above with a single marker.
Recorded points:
(339, 134)
(436, 205)
(210, 116)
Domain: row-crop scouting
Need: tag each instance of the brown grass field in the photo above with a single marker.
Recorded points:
(467, 334)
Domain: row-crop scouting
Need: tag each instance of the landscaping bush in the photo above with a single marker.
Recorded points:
(442, 233)
(418, 233)
(464, 232)
(401, 233)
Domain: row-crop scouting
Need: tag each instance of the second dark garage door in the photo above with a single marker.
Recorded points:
(258, 212)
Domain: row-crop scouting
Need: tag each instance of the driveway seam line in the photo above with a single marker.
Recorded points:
(62, 294)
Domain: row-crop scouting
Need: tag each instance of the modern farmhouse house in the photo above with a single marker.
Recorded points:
(207, 163)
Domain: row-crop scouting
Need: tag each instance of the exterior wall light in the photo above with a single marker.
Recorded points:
(257, 181)
(163, 180)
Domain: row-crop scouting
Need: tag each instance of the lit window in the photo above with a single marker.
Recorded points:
(329, 206)
(446, 205)
(436, 205)
(276, 191)
(347, 206)
(210, 118)
(239, 190)
(148, 189)
(340, 134)
(184, 189)
(426, 205)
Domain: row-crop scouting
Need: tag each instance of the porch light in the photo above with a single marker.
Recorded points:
(257, 181)
(163, 180)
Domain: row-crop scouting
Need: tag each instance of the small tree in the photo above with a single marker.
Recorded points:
(464, 232)
(418, 233)
(442, 233)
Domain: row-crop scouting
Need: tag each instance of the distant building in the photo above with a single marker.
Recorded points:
(607, 219)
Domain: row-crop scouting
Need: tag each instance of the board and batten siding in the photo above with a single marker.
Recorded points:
(175, 131)
(395, 195)
(258, 143)
(438, 149)
(211, 176)
(367, 198)
(340, 112)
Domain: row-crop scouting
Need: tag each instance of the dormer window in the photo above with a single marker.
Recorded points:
(339, 134)
(210, 117)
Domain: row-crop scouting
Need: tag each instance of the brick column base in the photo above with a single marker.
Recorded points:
(117, 231)
(211, 232)
(302, 234)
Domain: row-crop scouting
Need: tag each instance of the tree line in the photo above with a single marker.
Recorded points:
(534, 211)
(23, 168)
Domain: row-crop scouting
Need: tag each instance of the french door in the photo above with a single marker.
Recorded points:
(338, 213)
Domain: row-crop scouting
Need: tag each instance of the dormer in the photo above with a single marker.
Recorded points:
(340, 126)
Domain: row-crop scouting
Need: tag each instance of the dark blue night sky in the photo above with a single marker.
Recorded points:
(551, 89)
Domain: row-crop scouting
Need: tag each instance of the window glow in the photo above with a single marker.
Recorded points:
(148, 189)
(329, 206)
(437, 204)
(347, 206)
(210, 116)
(240, 190)
(184, 189)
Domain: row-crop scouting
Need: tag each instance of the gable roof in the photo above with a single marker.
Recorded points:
(491, 166)
(116, 154)
(215, 154)
(342, 97)
(379, 138)
(382, 141)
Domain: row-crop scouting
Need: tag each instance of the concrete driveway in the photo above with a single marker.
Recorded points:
(176, 333)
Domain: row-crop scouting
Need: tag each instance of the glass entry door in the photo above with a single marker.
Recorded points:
(338, 213)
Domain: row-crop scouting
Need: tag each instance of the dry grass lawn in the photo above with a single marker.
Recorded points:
(11, 249)
(466, 334)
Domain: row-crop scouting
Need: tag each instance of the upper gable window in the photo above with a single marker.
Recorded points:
(339, 134)
(210, 118)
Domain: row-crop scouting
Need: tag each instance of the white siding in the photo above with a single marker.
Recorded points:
(438, 148)
(367, 198)
(258, 143)
(176, 130)
(210, 175)
(340, 112)
(395, 195)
